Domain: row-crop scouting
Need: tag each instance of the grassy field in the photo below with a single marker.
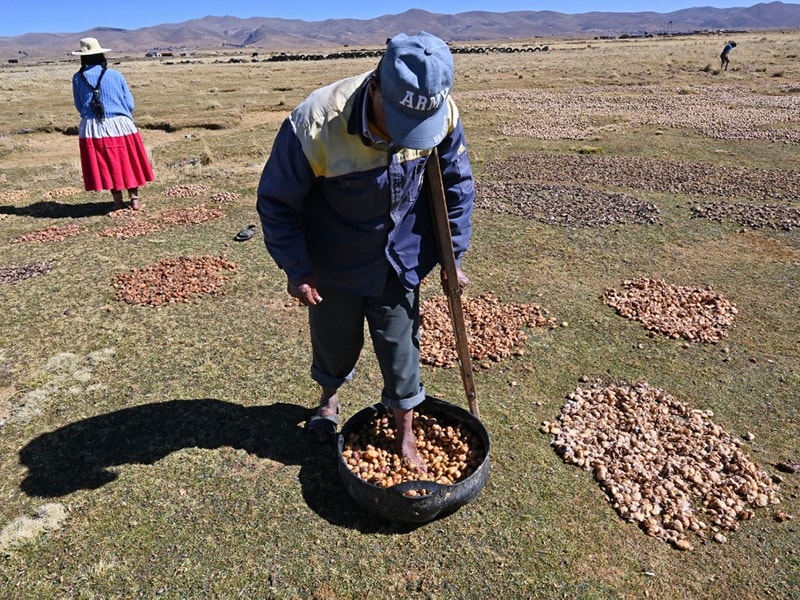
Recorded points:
(159, 452)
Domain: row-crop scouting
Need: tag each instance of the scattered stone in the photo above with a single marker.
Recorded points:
(788, 466)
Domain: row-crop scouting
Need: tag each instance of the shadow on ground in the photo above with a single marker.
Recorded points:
(81, 455)
(59, 210)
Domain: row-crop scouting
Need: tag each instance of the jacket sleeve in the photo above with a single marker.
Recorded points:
(459, 188)
(285, 182)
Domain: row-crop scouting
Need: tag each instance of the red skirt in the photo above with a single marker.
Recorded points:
(113, 155)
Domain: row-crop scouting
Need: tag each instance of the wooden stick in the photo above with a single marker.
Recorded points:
(433, 174)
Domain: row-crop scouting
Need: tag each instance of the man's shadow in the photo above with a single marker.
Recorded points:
(82, 455)
(58, 210)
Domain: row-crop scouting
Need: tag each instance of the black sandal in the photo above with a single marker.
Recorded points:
(323, 427)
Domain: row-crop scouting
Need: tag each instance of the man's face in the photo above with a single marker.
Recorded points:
(378, 116)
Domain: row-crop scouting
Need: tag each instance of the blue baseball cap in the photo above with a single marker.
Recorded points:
(416, 76)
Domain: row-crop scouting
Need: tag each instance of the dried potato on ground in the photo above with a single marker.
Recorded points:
(786, 218)
(564, 205)
(173, 280)
(13, 195)
(694, 314)
(54, 233)
(662, 464)
(64, 192)
(224, 197)
(451, 451)
(185, 190)
(20, 273)
(494, 329)
(133, 228)
(189, 216)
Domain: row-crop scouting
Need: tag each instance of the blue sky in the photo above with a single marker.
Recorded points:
(47, 16)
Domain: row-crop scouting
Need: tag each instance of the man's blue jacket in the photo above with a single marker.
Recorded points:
(337, 206)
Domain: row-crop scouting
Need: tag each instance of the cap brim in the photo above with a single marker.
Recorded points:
(408, 132)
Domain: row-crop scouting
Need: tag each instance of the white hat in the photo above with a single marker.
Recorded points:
(90, 46)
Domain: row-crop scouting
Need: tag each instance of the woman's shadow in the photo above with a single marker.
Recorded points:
(82, 455)
(58, 210)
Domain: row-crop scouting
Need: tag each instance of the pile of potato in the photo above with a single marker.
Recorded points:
(54, 233)
(173, 280)
(694, 314)
(659, 175)
(564, 205)
(663, 465)
(63, 192)
(129, 229)
(20, 273)
(188, 216)
(13, 195)
(137, 227)
(451, 451)
(494, 329)
(224, 197)
(186, 190)
(785, 218)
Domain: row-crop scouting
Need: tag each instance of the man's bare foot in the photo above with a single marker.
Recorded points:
(406, 442)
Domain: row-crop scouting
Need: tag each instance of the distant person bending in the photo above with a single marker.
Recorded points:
(113, 156)
(724, 59)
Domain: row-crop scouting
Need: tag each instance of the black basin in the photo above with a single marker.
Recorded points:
(391, 503)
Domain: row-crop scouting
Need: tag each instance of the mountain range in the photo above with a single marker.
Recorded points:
(273, 34)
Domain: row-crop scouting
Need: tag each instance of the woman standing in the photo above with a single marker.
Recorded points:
(113, 156)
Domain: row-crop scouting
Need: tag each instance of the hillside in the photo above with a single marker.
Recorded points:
(272, 34)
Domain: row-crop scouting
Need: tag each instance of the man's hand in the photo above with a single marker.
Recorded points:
(463, 281)
(305, 290)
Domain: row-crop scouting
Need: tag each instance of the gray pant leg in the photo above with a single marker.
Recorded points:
(393, 321)
(337, 336)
